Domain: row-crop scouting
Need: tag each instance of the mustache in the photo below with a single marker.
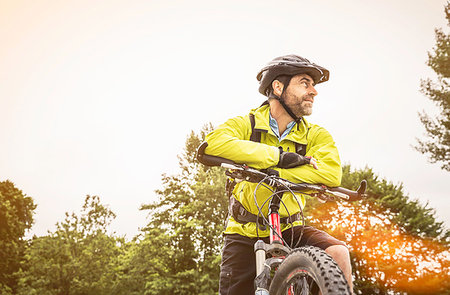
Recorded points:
(309, 97)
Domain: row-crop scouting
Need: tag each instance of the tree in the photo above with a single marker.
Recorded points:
(396, 244)
(437, 148)
(145, 267)
(185, 224)
(16, 217)
(78, 258)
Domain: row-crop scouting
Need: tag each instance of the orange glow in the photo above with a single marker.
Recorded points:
(384, 251)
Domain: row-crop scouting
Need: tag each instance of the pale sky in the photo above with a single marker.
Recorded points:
(98, 97)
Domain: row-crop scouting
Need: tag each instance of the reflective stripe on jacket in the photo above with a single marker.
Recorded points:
(231, 141)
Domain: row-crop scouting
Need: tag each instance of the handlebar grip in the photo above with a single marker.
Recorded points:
(354, 195)
(213, 160)
(209, 160)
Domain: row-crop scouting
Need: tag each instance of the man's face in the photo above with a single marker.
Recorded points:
(299, 96)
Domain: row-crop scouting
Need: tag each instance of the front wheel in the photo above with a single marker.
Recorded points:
(307, 270)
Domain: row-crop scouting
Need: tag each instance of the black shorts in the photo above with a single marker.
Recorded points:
(238, 267)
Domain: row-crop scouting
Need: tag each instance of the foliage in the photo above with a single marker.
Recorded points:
(185, 225)
(396, 244)
(438, 130)
(145, 265)
(78, 258)
(16, 217)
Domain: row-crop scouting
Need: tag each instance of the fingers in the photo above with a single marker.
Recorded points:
(313, 162)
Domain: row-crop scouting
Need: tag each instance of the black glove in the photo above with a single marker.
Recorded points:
(291, 160)
(271, 172)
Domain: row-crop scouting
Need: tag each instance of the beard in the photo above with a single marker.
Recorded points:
(301, 106)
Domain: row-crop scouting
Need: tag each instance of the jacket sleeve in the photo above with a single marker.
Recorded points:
(231, 141)
(323, 149)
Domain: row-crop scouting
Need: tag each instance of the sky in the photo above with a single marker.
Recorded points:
(98, 97)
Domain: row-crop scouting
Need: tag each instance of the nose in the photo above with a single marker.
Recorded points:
(313, 91)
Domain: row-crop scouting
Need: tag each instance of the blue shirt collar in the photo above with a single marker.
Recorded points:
(274, 126)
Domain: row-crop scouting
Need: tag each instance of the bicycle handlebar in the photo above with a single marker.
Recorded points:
(243, 172)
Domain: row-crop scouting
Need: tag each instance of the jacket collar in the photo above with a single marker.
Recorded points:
(299, 131)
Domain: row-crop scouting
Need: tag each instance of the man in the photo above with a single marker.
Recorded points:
(277, 136)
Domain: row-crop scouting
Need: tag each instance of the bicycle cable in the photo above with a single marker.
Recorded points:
(301, 214)
(260, 213)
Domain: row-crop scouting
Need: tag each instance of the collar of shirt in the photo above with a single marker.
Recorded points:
(274, 126)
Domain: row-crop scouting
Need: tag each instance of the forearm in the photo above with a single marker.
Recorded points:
(329, 171)
(329, 174)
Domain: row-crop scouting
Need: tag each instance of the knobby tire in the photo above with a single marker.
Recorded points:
(305, 270)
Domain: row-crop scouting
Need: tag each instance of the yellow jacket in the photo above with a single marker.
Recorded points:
(231, 141)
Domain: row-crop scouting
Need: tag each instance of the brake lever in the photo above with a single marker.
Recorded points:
(242, 173)
(321, 198)
(232, 166)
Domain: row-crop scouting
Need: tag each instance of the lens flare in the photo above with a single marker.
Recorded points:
(383, 252)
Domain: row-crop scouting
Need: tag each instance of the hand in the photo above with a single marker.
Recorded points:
(312, 162)
(291, 160)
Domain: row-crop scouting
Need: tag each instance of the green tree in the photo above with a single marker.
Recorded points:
(145, 266)
(78, 258)
(396, 244)
(16, 217)
(185, 224)
(437, 148)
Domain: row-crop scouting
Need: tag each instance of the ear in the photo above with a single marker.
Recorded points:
(277, 87)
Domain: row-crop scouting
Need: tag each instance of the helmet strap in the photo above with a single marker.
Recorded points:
(283, 104)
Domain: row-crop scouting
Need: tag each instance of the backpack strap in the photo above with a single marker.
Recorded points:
(241, 215)
(256, 135)
(300, 149)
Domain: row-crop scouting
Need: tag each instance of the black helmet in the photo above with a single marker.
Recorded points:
(289, 65)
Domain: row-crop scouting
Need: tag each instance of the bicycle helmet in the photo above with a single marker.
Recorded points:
(288, 65)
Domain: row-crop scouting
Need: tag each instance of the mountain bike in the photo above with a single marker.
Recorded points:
(281, 268)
